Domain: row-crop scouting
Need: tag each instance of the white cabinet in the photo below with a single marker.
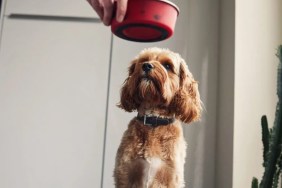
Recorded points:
(53, 93)
(70, 8)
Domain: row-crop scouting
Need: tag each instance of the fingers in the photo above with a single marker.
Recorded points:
(105, 9)
(108, 11)
(121, 10)
(97, 7)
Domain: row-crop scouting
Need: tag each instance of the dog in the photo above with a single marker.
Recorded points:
(152, 152)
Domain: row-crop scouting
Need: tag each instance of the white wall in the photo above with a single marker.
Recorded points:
(257, 35)
(250, 32)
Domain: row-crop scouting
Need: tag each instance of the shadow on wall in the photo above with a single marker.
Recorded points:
(201, 54)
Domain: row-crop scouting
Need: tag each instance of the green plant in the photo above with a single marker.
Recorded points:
(272, 140)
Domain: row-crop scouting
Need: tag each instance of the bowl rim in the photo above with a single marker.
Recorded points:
(170, 3)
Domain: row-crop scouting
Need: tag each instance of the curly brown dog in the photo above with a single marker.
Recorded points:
(163, 91)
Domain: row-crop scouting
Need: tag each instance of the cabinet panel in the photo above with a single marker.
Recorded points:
(53, 80)
(74, 8)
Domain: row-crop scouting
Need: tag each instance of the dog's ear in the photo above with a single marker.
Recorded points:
(186, 103)
(126, 100)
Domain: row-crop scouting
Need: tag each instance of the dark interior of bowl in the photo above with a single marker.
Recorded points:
(142, 32)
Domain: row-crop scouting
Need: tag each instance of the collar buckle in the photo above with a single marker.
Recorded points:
(145, 121)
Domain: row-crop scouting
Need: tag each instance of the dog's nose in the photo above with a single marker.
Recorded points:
(147, 67)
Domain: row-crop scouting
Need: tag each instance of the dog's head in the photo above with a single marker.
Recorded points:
(160, 79)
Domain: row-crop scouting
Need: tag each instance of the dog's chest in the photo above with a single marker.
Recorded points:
(155, 142)
(152, 167)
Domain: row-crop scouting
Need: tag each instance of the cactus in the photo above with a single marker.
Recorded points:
(255, 183)
(265, 138)
(272, 140)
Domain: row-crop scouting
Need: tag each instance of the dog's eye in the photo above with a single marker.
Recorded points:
(167, 66)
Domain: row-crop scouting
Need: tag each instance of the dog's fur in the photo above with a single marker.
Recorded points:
(154, 157)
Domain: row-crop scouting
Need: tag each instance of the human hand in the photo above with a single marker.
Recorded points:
(105, 9)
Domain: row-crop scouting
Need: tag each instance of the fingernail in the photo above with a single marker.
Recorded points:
(106, 22)
(120, 18)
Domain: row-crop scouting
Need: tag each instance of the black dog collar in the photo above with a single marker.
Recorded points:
(155, 121)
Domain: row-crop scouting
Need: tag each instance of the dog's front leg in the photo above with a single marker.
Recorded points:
(132, 174)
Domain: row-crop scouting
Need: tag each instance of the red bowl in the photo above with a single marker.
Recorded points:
(147, 21)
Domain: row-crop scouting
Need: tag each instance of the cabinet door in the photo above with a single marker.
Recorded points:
(53, 90)
(73, 8)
